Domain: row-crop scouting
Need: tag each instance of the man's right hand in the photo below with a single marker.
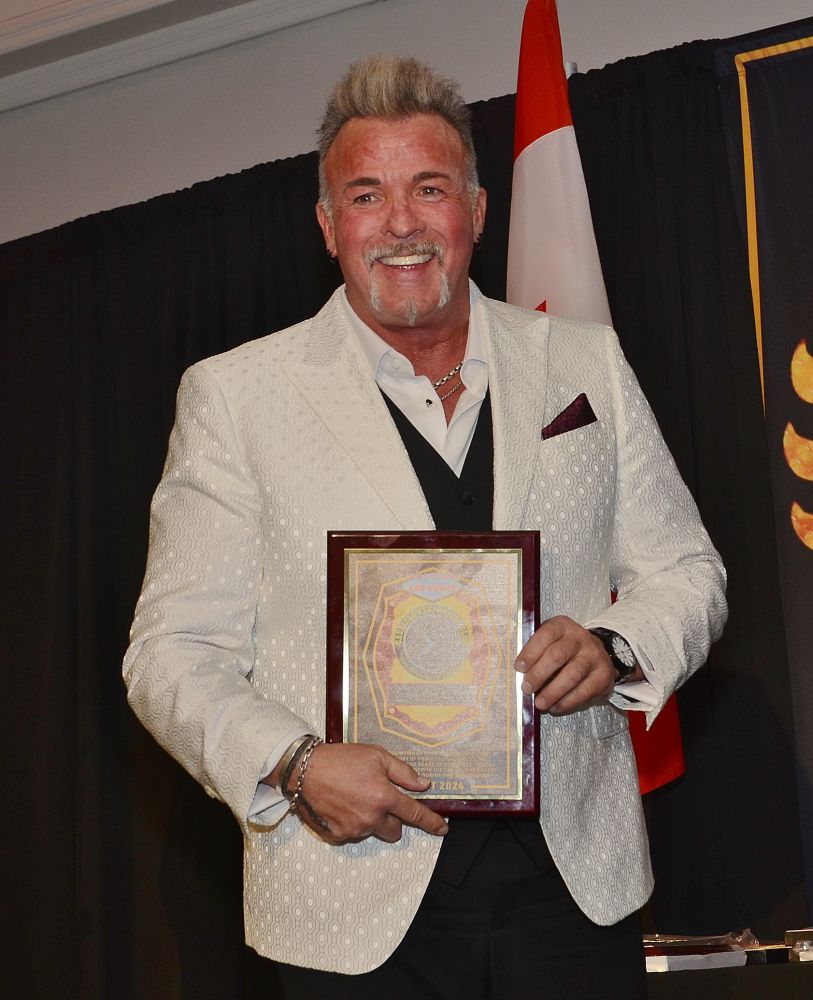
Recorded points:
(353, 790)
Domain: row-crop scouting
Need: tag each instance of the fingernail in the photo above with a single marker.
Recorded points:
(444, 829)
(541, 703)
(527, 687)
(520, 666)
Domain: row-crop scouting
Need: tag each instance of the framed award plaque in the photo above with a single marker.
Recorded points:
(423, 629)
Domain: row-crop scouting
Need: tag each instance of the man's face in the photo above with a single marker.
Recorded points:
(402, 223)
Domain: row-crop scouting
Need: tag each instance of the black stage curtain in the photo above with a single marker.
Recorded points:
(124, 879)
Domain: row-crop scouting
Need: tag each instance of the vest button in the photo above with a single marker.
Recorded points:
(467, 497)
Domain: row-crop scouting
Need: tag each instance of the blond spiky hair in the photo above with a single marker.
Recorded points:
(392, 88)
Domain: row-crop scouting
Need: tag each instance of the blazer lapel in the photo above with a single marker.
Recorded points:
(518, 354)
(335, 381)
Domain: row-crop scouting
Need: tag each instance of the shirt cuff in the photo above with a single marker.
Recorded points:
(268, 806)
(638, 696)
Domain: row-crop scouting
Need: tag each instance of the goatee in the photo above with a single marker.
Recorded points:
(410, 306)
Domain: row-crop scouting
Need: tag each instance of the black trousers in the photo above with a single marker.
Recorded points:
(507, 930)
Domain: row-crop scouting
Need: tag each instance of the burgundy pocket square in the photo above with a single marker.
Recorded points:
(579, 413)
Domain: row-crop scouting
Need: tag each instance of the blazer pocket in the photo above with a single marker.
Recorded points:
(607, 721)
(577, 414)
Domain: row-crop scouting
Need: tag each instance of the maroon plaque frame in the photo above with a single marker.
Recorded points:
(428, 550)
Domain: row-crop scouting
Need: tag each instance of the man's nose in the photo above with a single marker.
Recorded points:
(402, 220)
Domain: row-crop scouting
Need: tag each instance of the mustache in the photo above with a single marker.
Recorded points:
(403, 249)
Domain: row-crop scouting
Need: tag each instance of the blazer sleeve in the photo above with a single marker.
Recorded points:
(668, 576)
(188, 668)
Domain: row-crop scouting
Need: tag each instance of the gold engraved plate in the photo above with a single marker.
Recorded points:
(430, 642)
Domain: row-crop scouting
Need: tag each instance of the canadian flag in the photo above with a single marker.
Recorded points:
(552, 257)
(553, 265)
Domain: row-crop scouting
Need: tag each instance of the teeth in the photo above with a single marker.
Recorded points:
(418, 258)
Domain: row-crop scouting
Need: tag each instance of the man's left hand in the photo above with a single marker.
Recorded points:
(566, 667)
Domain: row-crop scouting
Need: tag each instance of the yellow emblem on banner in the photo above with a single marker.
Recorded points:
(431, 656)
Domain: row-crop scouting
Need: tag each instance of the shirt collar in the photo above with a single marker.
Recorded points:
(376, 350)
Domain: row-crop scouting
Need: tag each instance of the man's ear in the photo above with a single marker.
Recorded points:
(480, 212)
(326, 225)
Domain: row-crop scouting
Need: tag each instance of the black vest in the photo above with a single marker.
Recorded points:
(465, 504)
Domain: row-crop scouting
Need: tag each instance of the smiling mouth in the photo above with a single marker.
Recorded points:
(409, 260)
(404, 254)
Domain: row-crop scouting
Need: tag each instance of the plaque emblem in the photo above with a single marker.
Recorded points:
(432, 656)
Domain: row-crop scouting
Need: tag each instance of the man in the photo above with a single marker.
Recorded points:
(372, 416)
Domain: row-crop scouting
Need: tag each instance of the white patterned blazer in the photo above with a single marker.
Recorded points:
(286, 437)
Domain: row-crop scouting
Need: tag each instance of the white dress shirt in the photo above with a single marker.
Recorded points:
(417, 399)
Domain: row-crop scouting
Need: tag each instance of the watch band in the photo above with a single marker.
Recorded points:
(619, 650)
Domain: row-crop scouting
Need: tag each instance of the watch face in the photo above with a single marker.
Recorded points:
(618, 649)
(623, 650)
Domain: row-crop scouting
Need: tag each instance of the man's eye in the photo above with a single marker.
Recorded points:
(429, 191)
(364, 199)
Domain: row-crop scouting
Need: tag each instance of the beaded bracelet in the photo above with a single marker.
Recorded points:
(304, 760)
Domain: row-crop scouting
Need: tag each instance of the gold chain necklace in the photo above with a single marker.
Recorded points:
(451, 392)
(445, 379)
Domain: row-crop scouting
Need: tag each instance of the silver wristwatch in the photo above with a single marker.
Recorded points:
(619, 651)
